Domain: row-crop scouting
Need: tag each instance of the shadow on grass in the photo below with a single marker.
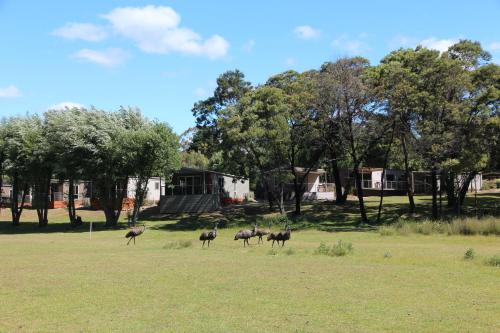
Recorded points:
(6, 228)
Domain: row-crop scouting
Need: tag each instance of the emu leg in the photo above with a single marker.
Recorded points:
(129, 240)
(273, 243)
(260, 239)
(203, 245)
(209, 243)
(134, 240)
(283, 243)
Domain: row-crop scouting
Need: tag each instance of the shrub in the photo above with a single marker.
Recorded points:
(387, 255)
(276, 220)
(493, 261)
(470, 254)
(175, 245)
(322, 249)
(290, 251)
(337, 250)
(341, 249)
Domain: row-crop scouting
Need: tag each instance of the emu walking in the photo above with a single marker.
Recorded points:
(259, 233)
(208, 235)
(274, 237)
(245, 235)
(132, 234)
(283, 236)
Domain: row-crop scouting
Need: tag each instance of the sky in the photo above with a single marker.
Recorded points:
(163, 56)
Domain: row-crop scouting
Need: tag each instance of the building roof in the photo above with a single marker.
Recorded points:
(185, 170)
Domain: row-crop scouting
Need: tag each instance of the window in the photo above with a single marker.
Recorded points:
(190, 185)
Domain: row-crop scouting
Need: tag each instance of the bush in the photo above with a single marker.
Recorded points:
(337, 250)
(493, 261)
(467, 226)
(470, 254)
(387, 255)
(341, 249)
(290, 251)
(276, 220)
(176, 245)
(322, 249)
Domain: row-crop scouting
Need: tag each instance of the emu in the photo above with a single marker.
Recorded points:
(259, 233)
(274, 237)
(132, 234)
(283, 236)
(245, 235)
(209, 235)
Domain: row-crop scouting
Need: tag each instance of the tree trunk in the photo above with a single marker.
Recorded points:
(359, 190)
(141, 187)
(462, 193)
(409, 180)
(340, 199)
(111, 198)
(71, 203)
(450, 189)
(16, 209)
(382, 180)
(434, 193)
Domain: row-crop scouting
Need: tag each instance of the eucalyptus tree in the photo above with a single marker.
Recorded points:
(153, 150)
(396, 85)
(231, 87)
(28, 165)
(359, 125)
(257, 132)
(73, 140)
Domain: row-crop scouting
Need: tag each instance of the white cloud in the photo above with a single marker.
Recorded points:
(85, 31)
(248, 46)
(431, 43)
(109, 57)
(438, 44)
(155, 29)
(495, 46)
(290, 62)
(306, 32)
(350, 46)
(10, 92)
(66, 105)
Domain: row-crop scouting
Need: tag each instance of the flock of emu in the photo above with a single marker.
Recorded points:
(246, 234)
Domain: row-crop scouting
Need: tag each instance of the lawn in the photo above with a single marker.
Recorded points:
(59, 279)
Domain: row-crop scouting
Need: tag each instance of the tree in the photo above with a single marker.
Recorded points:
(257, 132)
(231, 87)
(358, 125)
(22, 140)
(153, 150)
(71, 136)
(305, 146)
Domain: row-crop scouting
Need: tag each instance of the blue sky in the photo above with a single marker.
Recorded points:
(162, 56)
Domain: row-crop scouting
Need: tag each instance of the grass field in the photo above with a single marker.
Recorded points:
(59, 280)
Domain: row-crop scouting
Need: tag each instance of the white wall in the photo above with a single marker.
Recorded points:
(239, 189)
(154, 188)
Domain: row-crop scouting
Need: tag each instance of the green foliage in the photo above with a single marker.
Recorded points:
(467, 226)
(276, 220)
(470, 254)
(493, 261)
(336, 250)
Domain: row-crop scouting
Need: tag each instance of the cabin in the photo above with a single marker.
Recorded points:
(395, 182)
(316, 186)
(197, 191)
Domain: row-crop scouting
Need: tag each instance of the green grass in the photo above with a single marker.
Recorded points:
(58, 279)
